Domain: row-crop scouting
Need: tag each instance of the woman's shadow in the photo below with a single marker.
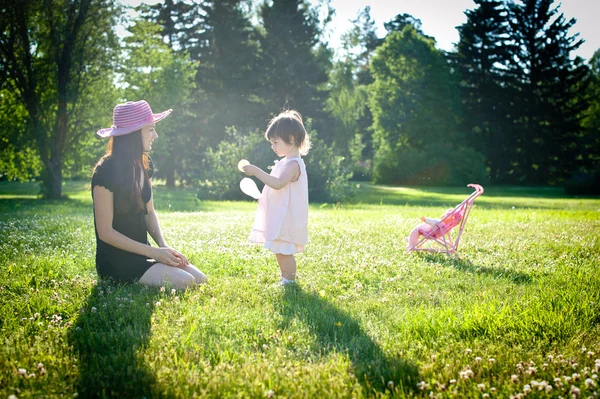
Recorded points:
(108, 338)
(335, 330)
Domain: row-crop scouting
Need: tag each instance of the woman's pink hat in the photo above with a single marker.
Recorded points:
(131, 116)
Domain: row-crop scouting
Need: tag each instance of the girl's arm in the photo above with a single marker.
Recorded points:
(290, 172)
(156, 234)
(103, 210)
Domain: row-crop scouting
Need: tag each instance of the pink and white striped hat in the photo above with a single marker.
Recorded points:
(131, 116)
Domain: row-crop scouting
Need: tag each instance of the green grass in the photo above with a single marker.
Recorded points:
(522, 302)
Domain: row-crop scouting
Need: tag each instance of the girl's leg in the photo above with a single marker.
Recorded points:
(194, 271)
(160, 274)
(287, 265)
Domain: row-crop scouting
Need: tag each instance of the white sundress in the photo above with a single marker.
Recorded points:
(281, 222)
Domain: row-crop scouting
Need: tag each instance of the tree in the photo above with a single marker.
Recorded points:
(52, 52)
(481, 59)
(227, 70)
(293, 61)
(549, 87)
(402, 20)
(154, 72)
(589, 142)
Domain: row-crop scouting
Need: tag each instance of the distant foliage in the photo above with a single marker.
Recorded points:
(328, 174)
(438, 164)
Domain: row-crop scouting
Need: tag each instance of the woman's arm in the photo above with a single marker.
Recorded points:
(290, 172)
(103, 210)
(156, 234)
(153, 225)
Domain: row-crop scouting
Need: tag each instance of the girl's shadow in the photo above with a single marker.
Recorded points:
(108, 339)
(335, 330)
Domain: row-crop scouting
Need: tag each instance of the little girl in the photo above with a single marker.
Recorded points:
(281, 222)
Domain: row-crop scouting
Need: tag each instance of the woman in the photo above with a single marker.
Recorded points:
(123, 207)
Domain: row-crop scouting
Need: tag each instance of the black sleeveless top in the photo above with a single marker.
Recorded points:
(111, 261)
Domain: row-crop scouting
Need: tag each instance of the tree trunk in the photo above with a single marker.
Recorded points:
(170, 174)
(52, 180)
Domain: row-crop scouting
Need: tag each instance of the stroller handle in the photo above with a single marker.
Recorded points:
(478, 189)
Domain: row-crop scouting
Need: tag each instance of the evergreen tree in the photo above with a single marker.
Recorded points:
(182, 24)
(294, 63)
(589, 142)
(481, 58)
(227, 71)
(548, 87)
(164, 78)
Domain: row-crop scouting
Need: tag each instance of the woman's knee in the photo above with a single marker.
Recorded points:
(199, 277)
(160, 274)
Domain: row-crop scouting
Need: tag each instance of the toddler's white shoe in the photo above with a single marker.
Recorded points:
(284, 281)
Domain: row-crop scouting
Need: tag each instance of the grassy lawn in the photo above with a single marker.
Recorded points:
(517, 312)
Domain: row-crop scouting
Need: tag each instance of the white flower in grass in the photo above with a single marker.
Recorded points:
(514, 378)
(477, 359)
(481, 387)
(493, 390)
(590, 383)
(390, 385)
(574, 391)
(162, 289)
(526, 389)
(595, 376)
(94, 309)
(550, 357)
(492, 360)
(548, 388)
(452, 381)
(575, 376)
(270, 393)
(12, 397)
(157, 303)
(173, 291)
(485, 395)
(531, 370)
(423, 385)
(468, 351)
(22, 372)
(590, 354)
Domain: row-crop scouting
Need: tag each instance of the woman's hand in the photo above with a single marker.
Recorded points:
(183, 260)
(165, 256)
(251, 170)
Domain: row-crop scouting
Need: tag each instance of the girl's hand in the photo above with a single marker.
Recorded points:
(251, 170)
(166, 257)
(183, 260)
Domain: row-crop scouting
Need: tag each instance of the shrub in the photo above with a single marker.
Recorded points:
(583, 183)
(438, 164)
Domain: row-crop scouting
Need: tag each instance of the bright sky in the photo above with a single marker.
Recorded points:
(439, 18)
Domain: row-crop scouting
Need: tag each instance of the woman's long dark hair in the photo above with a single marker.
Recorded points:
(129, 162)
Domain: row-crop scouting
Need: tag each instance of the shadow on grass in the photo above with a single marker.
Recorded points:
(108, 339)
(336, 331)
(468, 266)
(497, 197)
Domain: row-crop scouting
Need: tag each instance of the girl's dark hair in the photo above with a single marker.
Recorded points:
(129, 162)
(288, 127)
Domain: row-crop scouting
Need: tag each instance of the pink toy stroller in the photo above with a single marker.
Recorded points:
(435, 235)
